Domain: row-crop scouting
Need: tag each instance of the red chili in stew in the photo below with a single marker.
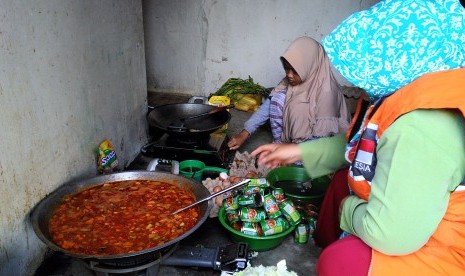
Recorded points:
(122, 217)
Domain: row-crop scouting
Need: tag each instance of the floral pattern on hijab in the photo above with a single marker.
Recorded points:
(394, 42)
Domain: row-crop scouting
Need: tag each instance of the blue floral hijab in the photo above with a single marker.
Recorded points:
(394, 42)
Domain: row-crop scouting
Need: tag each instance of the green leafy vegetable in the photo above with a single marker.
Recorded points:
(233, 87)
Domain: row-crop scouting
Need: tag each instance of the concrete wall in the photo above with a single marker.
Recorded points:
(72, 73)
(195, 46)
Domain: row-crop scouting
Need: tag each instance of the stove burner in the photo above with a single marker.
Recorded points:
(147, 265)
(187, 142)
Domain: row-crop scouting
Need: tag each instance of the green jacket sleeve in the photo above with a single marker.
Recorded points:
(420, 161)
(323, 156)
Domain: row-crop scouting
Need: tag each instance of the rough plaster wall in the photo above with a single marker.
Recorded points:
(195, 46)
(72, 75)
(174, 33)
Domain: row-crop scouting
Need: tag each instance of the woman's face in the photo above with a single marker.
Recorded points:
(292, 77)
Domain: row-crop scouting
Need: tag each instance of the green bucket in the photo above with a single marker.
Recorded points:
(195, 169)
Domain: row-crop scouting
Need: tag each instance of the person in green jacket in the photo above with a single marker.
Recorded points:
(419, 158)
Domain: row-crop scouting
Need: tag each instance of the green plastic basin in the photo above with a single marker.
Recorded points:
(255, 243)
(290, 179)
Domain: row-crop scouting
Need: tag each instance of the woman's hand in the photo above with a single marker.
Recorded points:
(274, 155)
(238, 139)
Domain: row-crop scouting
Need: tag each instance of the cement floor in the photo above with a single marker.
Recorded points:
(299, 258)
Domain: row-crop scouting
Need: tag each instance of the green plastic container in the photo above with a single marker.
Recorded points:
(195, 169)
(290, 179)
(255, 243)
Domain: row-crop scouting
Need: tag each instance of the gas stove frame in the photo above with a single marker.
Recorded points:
(213, 152)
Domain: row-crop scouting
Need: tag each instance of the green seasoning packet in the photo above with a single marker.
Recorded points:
(106, 157)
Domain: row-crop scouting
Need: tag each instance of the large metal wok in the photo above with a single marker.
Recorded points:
(166, 117)
(42, 212)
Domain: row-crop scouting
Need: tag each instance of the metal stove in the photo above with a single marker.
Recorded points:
(230, 258)
(135, 267)
(211, 149)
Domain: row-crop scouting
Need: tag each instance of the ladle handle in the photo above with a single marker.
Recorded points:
(213, 195)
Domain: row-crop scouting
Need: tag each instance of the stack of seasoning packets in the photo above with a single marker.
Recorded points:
(259, 210)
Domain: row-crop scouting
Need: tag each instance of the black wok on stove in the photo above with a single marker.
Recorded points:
(42, 213)
(167, 118)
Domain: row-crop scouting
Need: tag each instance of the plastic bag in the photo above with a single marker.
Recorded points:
(107, 160)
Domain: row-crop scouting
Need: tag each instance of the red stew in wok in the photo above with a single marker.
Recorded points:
(122, 217)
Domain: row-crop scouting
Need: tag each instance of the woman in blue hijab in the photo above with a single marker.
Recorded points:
(406, 151)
